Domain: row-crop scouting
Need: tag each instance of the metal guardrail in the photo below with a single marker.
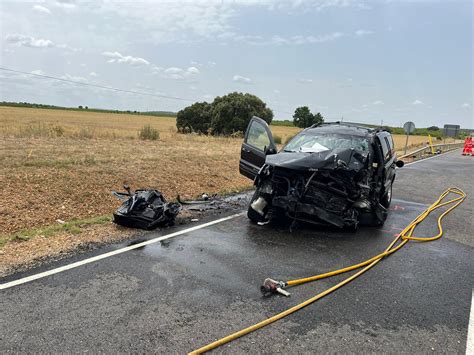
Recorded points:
(424, 151)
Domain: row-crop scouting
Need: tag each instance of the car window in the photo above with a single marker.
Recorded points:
(314, 143)
(392, 145)
(386, 149)
(257, 136)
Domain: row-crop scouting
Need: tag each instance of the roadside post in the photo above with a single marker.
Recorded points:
(408, 127)
(431, 144)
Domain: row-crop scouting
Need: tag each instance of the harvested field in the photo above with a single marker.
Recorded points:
(60, 164)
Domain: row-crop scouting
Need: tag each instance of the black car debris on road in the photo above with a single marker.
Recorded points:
(335, 174)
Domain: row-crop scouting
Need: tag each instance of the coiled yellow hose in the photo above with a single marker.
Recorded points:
(405, 235)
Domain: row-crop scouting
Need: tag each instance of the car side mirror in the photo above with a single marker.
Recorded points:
(269, 151)
(399, 163)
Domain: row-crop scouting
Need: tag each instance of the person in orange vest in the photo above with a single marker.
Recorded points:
(467, 146)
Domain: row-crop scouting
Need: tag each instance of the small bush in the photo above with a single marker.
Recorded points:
(277, 139)
(57, 131)
(85, 133)
(237, 134)
(89, 160)
(149, 133)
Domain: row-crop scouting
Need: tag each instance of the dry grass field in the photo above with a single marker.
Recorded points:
(62, 165)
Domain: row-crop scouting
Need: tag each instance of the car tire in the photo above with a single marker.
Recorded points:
(387, 197)
(377, 221)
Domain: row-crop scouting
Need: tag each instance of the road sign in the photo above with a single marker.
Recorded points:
(451, 130)
(409, 127)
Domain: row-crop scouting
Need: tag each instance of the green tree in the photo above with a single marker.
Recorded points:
(303, 117)
(318, 118)
(194, 118)
(232, 113)
(226, 115)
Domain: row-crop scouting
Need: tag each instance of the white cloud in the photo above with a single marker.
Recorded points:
(466, 105)
(193, 70)
(174, 70)
(66, 4)
(28, 41)
(65, 46)
(279, 40)
(305, 81)
(361, 33)
(172, 21)
(92, 73)
(417, 102)
(299, 40)
(37, 72)
(32, 42)
(41, 9)
(317, 39)
(242, 79)
(276, 91)
(156, 69)
(378, 102)
(74, 78)
(176, 73)
(211, 64)
(116, 57)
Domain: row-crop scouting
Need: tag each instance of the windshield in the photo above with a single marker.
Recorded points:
(315, 143)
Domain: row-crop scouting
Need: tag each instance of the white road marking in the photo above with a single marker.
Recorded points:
(470, 330)
(112, 253)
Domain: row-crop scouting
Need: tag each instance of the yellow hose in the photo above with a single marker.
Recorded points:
(405, 235)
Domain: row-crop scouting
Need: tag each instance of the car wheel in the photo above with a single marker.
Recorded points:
(387, 197)
(378, 221)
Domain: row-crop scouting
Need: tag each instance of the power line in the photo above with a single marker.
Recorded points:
(95, 85)
(108, 87)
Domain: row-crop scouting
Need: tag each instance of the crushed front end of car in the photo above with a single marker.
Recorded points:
(333, 187)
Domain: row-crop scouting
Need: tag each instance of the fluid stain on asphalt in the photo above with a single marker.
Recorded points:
(137, 241)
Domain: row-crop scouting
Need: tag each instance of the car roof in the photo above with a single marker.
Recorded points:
(342, 128)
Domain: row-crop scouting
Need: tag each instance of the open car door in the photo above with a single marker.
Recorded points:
(258, 142)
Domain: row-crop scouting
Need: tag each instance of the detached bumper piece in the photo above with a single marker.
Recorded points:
(145, 209)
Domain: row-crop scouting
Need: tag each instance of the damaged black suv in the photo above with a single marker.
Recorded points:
(334, 174)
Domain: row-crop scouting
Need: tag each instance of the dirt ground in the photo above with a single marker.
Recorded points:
(59, 165)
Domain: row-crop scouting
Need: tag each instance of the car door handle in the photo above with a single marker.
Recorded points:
(246, 150)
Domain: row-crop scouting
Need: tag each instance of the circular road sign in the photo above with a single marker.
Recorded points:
(409, 127)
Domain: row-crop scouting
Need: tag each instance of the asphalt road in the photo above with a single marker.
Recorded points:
(182, 293)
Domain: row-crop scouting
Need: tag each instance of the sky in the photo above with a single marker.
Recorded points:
(378, 62)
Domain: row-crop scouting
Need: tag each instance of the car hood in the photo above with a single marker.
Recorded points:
(345, 159)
